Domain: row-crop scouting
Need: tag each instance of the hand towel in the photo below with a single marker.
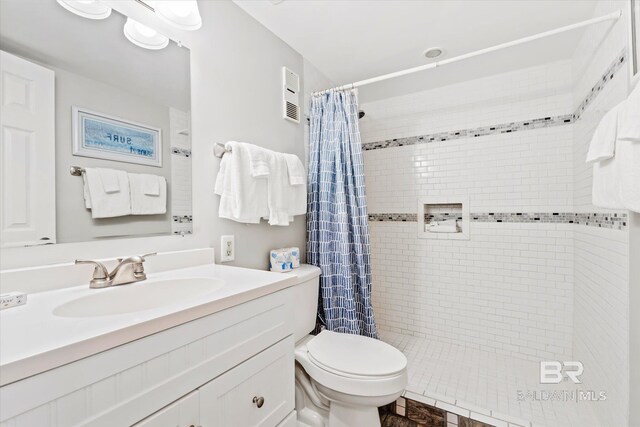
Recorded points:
(150, 184)
(110, 182)
(603, 142)
(295, 170)
(258, 159)
(145, 204)
(605, 191)
(105, 204)
(243, 198)
(629, 117)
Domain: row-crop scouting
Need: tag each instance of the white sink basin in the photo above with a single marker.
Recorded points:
(137, 297)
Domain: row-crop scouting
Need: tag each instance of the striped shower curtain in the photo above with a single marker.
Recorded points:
(337, 223)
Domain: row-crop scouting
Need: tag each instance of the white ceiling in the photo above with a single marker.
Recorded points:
(44, 31)
(351, 40)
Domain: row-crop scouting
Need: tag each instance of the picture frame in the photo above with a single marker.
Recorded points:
(101, 136)
(634, 39)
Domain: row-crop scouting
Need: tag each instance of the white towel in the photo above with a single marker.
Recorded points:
(606, 184)
(628, 159)
(243, 198)
(629, 117)
(150, 184)
(258, 159)
(143, 203)
(603, 142)
(105, 204)
(295, 170)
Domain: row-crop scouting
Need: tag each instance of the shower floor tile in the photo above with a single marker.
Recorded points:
(486, 383)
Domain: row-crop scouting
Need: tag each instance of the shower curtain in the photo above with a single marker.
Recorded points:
(337, 222)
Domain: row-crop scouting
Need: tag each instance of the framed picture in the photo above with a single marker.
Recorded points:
(106, 137)
(634, 38)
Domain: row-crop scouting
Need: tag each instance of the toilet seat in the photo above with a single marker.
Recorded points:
(355, 356)
(324, 358)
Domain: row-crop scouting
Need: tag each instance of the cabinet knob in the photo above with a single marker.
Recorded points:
(259, 401)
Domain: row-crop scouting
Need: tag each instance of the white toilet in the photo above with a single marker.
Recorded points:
(341, 379)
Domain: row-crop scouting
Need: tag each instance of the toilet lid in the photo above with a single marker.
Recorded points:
(351, 354)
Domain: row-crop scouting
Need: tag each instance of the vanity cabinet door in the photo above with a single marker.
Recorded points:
(181, 413)
(256, 393)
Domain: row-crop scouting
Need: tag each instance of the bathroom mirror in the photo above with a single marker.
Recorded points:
(77, 94)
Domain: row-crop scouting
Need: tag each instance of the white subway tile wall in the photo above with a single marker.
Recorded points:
(601, 257)
(509, 288)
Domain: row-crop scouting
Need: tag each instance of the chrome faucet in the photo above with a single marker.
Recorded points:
(128, 270)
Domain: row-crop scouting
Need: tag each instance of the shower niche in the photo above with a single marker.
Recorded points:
(443, 218)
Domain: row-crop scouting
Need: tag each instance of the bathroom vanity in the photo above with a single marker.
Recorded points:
(206, 345)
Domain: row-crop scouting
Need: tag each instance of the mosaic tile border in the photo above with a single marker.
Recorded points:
(597, 88)
(615, 221)
(181, 151)
(511, 127)
(182, 218)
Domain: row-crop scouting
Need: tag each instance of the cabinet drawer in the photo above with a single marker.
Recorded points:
(181, 413)
(265, 380)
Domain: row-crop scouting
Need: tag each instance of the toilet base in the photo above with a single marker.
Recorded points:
(351, 416)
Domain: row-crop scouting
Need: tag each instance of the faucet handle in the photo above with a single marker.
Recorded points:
(146, 255)
(99, 272)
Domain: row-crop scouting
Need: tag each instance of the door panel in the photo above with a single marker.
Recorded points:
(27, 153)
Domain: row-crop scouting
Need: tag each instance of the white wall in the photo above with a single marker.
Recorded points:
(509, 288)
(601, 261)
(236, 94)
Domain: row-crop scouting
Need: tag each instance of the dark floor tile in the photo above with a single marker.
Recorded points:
(425, 415)
(393, 420)
(468, 422)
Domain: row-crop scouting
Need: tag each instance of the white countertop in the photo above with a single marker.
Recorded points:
(33, 339)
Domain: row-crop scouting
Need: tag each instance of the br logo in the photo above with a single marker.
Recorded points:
(553, 371)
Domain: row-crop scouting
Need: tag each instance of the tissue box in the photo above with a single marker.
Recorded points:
(285, 259)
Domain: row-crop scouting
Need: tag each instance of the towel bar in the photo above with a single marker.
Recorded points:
(220, 150)
(76, 170)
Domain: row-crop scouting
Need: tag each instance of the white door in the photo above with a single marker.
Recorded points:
(181, 413)
(27, 153)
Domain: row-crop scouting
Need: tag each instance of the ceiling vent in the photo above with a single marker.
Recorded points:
(290, 97)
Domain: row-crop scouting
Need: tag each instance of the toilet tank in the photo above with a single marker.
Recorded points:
(305, 297)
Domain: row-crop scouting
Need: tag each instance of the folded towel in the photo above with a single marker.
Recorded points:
(105, 204)
(150, 184)
(243, 198)
(295, 170)
(110, 182)
(603, 142)
(446, 226)
(629, 117)
(143, 203)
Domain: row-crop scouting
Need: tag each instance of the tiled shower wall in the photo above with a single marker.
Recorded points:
(509, 288)
(553, 288)
(601, 256)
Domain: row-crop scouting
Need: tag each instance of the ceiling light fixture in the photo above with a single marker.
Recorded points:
(143, 36)
(433, 52)
(92, 9)
(182, 14)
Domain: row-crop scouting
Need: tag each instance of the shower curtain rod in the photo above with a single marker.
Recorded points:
(611, 16)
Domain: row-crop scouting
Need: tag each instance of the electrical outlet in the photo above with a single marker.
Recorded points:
(227, 248)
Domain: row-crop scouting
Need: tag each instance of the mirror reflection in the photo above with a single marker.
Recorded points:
(95, 134)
